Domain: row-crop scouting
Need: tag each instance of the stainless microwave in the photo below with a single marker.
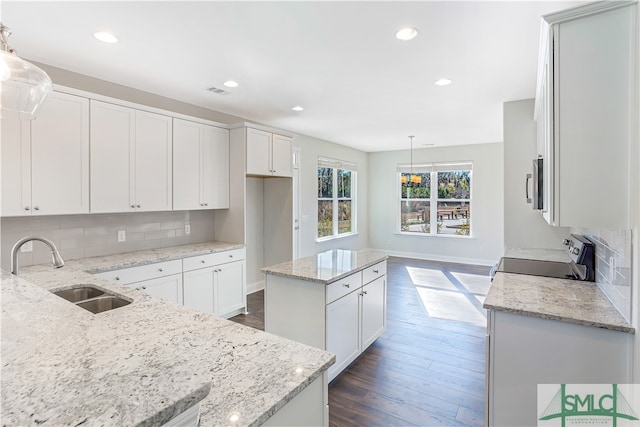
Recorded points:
(536, 179)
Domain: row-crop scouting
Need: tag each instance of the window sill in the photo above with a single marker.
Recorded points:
(339, 236)
(437, 236)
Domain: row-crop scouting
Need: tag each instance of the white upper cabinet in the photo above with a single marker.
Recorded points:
(45, 162)
(269, 154)
(131, 159)
(200, 166)
(587, 102)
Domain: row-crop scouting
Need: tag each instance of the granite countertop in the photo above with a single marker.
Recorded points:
(141, 364)
(327, 267)
(566, 300)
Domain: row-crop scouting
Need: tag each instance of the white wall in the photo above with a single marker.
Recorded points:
(486, 244)
(523, 227)
(312, 148)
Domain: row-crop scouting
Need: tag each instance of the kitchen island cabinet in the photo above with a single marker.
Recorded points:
(542, 330)
(337, 298)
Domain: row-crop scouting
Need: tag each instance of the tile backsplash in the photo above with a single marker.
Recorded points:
(613, 265)
(81, 236)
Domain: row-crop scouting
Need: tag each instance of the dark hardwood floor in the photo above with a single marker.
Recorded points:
(427, 369)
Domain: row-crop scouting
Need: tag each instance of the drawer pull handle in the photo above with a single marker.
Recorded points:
(375, 271)
(144, 287)
(230, 256)
(36, 208)
(160, 270)
(346, 285)
(133, 206)
(202, 261)
(26, 208)
(364, 293)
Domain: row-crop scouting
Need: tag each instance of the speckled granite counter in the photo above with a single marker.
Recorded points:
(140, 364)
(558, 299)
(327, 267)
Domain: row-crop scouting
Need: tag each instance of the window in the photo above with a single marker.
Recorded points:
(336, 198)
(437, 194)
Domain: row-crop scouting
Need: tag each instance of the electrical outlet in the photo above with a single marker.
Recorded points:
(122, 236)
(27, 247)
(187, 229)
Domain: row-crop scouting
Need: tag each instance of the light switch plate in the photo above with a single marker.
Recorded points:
(187, 229)
(122, 236)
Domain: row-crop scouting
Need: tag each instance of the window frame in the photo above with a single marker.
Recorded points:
(336, 165)
(432, 169)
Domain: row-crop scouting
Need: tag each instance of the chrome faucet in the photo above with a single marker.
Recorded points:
(55, 255)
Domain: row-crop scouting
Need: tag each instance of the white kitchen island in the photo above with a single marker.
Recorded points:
(335, 301)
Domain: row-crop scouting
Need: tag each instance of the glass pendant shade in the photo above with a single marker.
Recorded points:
(23, 86)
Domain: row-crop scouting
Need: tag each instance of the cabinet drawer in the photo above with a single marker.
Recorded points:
(370, 274)
(343, 286)
(143, 272)
(208, 260)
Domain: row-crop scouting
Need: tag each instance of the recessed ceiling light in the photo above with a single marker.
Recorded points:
(105, 37)
(442, 82)
(297, 108)
(406, 33)
(230, 83)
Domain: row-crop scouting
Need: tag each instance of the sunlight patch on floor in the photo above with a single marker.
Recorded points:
(430, 277)
(476, 284)
(449, 305)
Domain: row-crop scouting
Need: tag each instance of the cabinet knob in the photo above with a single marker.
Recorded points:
(133, 206)
(375, 271)
(137, 206)
(230, 256)
(202, 261)
(36, 208)
(206, 204)
(364, 293)
(27, 208)
(144, 287)
(346, 285)
(160, 270)
(117, 278)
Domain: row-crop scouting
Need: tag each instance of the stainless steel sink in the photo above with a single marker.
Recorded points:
(79, 294)
(103, 303)
(92, 299)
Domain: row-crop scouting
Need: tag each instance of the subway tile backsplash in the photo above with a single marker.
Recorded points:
(613, 265)
(82, 236)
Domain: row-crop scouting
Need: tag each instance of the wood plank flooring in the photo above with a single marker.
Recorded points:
(427, 369)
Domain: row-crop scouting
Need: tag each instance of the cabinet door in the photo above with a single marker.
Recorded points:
(282, 155)
(60, 156)
(16, 167)
(215, 167)
(373, 311)
(343, 328)
(198, 289)
(153, 177)
(230, 288)
(258, 152)
(112, 138)
(167, 287)
(187, 165)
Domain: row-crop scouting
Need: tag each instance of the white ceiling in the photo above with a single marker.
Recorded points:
(358, 84)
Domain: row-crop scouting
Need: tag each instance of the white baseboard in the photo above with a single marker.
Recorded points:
(436, 257)
(255, 286)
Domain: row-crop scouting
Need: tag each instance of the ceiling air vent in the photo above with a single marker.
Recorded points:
(218, 90)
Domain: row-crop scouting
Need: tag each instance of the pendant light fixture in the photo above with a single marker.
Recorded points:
(23, 86)
(414, 180)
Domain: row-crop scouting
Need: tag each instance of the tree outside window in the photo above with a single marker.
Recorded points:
(336, 204)
(435, 199)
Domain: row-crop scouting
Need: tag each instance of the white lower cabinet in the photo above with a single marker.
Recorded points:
(216, 283)
(212, 283)
(168, 287)
(344, 317)
(524, 351)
